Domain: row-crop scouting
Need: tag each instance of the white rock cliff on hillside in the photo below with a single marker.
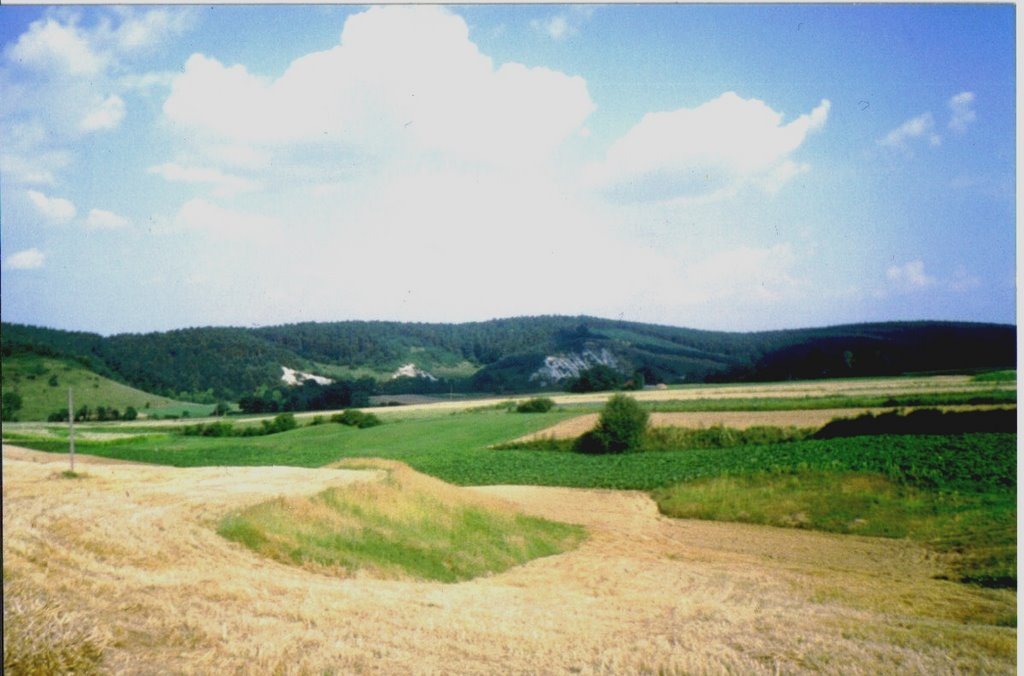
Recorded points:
(293, 377)
(562, 367)
(410, 371)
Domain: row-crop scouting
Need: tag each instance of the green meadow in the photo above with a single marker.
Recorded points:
(43, 382)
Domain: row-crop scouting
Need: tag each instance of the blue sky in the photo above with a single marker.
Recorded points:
(738, 167)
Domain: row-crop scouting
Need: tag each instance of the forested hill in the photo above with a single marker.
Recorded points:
(509, 355)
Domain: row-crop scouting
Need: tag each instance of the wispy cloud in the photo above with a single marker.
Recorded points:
(222, 183)
(28, 259)
(556, 27)
(101, 219)
(563, 24)
(910, 276)
(962, 110)
(917, 128)
(106, 116)
(55, 209)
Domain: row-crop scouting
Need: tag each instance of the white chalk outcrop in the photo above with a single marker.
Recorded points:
(293, 377)
(562, 367)
(411, 371)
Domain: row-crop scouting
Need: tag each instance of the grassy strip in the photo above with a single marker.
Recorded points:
(979, 398)
(407, 525)
(978, 528)
(996, 376)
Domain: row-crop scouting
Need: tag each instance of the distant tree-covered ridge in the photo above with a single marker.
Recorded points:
(507, 355)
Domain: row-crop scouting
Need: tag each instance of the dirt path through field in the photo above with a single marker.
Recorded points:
(129, 552)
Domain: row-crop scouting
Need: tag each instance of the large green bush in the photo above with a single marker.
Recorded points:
(536, 405)
(621, 427)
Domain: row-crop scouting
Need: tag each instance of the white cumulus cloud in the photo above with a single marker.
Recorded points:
(101, 219)
(961, 107)
(403, 80)
(55, 209)
(711, 150)
(29, 259)
(51, 45)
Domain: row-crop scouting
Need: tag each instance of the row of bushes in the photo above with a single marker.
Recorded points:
(99, 414)
(281, 423)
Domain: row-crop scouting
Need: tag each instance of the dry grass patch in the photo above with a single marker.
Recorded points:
(41, 636)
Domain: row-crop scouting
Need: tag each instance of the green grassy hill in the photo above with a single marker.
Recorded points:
(42, 383)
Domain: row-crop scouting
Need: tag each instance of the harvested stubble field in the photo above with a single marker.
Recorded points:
(126, 564)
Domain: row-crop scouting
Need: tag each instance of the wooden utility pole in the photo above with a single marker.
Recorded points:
(71, 429)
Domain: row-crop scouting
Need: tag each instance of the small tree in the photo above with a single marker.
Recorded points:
(11, 405)
(621, 427)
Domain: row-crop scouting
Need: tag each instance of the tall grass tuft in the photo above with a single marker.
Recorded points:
(407, 525)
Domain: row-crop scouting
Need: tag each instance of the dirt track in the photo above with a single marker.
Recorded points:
(131, 551)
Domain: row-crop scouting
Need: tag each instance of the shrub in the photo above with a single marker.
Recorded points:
(621, 427)
(354, 418)
(281, 423)
(535, 405)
